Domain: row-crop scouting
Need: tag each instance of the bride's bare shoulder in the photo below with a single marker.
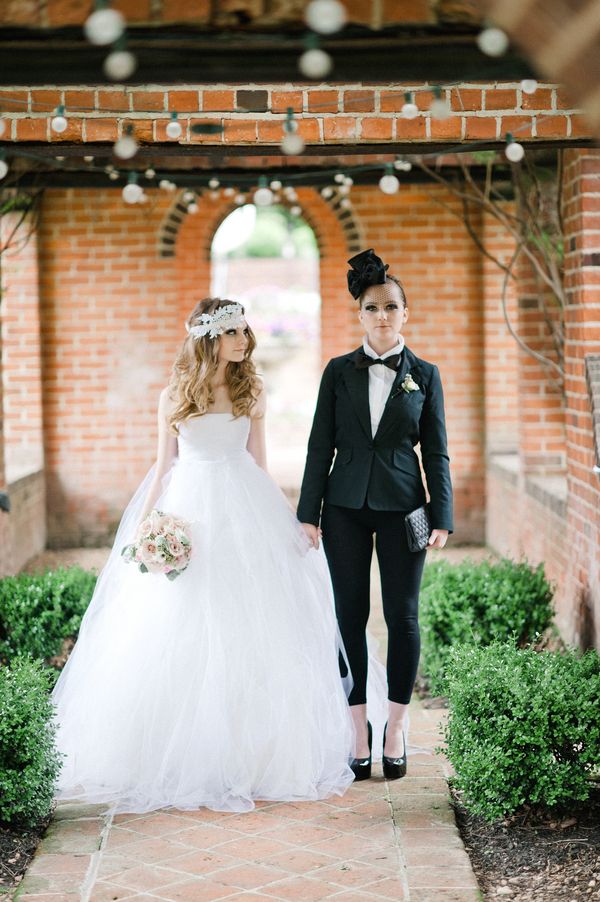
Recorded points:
(166, 404)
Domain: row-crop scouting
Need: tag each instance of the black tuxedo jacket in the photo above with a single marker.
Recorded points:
(382, 469)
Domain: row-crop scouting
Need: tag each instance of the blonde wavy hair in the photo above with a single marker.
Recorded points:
(194, 370)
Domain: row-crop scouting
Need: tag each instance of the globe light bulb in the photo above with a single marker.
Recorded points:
(439, 109)
(132, 193)
(213, 183)
(214, 195)
(389, 184)
(125, 148)
(327, 192)
(325, 16)
(229, 192)
(59, 124)
(263, 197)
(348, 180)
(296, 211)
(315, 63)
(529, 85)
(345, 203)
(240, 199)
(344, 189)
(150, 173)
(119, 65)
(409, 110)
(113, 176)
(104, 26)
(514, 151)
(275, 185)
(174, 129)
(492, 41)
(193, 208)
(189, 197)
(292, 144)
(3, 169)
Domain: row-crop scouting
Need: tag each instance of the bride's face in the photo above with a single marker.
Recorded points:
(233, 344)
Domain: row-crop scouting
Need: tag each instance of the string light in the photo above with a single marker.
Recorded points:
(193, 207)
(344, 189)
(513, 150)
(3, 166)
(439, 108)
(59, 122)
(229, 192)
(325, 16)
(88, 159)
(275, 185)
(132, 192)
(119, 65)
(174, 129)
(314, 62)
(402, 165)
(345, 203)
(104, 26)
(126, 147)
(492, 41)
(327, 192)
(292, 143)
(529, 85)
(214, 195)
(189, 197)
(339, 177)
(409, 108)
(113, 176)
(348, 180)
(213, 183)
(388, 183)
(150, 173)
(240, 199)
(263, 196)
(296, 211)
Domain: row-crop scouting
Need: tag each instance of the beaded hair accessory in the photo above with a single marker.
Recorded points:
(213, 324)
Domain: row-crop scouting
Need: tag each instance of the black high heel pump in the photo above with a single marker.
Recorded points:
(394, 768)
(361, 767)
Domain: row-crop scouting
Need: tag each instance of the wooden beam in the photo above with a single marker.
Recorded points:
(179, 56)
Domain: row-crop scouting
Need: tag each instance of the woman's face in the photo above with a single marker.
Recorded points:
(233, 344)
(382, 312)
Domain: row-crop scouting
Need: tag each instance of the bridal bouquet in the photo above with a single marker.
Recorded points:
(161, 545)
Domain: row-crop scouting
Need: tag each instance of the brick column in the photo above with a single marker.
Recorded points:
(579, 602)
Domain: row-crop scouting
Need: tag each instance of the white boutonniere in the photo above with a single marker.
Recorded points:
(409, 384)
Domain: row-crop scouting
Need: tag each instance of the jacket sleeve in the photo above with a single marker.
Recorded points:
(434, 453)
(321, 446)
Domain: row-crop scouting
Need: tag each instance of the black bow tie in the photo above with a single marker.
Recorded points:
(363, 361)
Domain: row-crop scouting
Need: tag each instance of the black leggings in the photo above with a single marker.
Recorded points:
(348, 544)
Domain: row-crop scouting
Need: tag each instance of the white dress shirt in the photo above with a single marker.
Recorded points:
(381, 379)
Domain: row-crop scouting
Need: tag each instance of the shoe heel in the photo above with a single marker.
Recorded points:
(394, 768)
(361, 767)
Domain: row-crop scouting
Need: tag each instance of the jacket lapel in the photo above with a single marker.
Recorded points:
(357, 383)
(408, 364)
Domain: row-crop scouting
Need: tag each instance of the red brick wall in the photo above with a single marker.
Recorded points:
(350, 114)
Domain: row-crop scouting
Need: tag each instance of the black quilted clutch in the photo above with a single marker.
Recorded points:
(418, 528)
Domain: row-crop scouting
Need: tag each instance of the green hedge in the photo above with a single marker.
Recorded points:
(523, 726)
(29, 761)
(478, 603)
(38, 611)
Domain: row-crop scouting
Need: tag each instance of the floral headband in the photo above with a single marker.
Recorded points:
(213, 324)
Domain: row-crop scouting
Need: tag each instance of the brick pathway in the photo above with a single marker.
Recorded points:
(380, 840)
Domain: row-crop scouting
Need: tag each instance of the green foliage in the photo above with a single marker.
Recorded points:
(275, 228)
(29, 761)
(523, 726)
(38, 611)
(477, 603)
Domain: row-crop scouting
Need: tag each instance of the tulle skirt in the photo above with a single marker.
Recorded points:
(223, 686)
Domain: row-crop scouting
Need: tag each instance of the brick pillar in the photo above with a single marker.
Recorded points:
(538, 396)
(579, 601)
(4, 525)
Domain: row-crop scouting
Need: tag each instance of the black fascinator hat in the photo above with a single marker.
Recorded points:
(367, 269)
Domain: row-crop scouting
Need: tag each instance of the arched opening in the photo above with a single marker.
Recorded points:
(267, 258)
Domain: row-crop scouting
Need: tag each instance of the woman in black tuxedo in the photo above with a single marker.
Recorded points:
(374, 405)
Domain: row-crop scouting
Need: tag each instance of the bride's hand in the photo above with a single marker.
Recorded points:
(313, 533)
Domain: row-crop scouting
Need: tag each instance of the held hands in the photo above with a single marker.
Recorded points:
(313, 533)
(438, 538)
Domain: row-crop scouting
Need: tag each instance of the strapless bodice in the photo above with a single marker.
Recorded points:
(213, 436)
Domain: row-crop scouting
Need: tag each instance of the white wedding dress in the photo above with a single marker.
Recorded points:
(222, 686)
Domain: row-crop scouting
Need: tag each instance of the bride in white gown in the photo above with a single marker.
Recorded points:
(223, 686)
